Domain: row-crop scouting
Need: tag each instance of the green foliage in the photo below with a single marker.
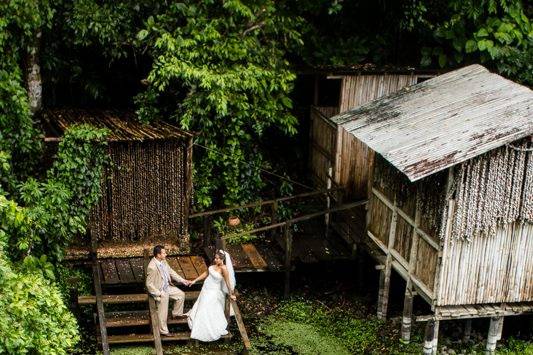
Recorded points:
(33, 316)
(223, 66)
(224, 229)
(60, 205)
(300, 323)
(490, 31)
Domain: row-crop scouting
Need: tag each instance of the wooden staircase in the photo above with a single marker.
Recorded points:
(126, 318)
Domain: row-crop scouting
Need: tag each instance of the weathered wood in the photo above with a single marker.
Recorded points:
(495, 334)
(154, 316)
(257, 260)
(288, 256)
(240, 325)
(407, 313)
(187, 267)
(467, 330)
(97, 276)
(384, 275)
(431, 337)
(199, 264)
(124, 271)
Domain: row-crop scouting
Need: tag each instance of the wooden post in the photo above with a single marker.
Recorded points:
(240, 325)
(495, 334)
(97, 277)
(407, 312)
(328, 200)
(384, 275)
(152, 309)
(468, 330)
(288, 255)
(207, 230)
(431, 337)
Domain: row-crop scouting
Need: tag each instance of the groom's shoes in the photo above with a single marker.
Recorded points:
(166, 334)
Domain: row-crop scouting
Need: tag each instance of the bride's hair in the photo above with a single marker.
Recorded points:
(222, 256)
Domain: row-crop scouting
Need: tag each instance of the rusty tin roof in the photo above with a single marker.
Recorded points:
(443, 121)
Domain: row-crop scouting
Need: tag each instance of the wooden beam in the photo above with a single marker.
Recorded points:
(431, 337)
(262, 203)
(97, 276)
(495, 334)
(384, 275)
(407, 313)
(240, 325)
(154, 315)
(288, 255)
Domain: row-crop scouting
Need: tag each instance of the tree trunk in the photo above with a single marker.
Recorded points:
(33, 74)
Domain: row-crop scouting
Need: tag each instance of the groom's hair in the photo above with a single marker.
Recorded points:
(157, 249)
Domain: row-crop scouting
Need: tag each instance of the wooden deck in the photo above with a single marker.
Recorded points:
(253, 257)
(478, 311)
(130, 270)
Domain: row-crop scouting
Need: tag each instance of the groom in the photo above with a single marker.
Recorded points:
(159, 276)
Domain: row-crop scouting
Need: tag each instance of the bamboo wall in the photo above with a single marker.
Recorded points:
(144, 195)
(360, 89)
(402, 223)
(489, 269)
(322, 142)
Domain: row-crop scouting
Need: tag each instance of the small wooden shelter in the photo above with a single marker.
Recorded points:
(333, 153)
(450, 195)
(147, 188)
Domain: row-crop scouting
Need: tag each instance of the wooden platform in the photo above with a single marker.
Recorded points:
(119, 250)
(130, 270)
(253, 257)
(478, 311)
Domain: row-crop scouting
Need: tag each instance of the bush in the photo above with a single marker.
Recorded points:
(34, 317)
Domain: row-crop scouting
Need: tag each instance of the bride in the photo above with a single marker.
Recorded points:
(206, 318)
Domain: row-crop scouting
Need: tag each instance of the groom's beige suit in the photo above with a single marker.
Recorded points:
(159, 276)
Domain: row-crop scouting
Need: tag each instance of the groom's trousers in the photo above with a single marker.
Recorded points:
(178, 296)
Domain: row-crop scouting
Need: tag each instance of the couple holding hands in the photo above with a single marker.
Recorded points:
(206, 318)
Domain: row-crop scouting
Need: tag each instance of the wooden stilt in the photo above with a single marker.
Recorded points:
(468, 330)
(383, 295)
(407, 313)
(495, 334)
(328, 201)
(431, 337)
(288, 255)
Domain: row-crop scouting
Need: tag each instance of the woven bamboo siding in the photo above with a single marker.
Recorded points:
(489, 270)
(360, 89)
(322, 142)
(143, 198)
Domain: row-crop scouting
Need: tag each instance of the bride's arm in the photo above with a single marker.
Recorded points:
(226, 278)
(200, 278)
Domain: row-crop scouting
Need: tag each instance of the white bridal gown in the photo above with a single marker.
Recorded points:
(206, 318)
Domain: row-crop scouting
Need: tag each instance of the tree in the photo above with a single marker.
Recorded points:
(219, 68)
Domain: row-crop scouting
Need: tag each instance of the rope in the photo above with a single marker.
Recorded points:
(260, 168)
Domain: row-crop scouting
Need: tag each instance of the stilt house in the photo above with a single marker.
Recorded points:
(451, 195)
(334, 154)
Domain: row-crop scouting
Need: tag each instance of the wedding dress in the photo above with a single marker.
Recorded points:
(206, 318)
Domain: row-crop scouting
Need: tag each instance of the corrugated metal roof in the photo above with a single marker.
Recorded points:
(443, 121)
(123, 125)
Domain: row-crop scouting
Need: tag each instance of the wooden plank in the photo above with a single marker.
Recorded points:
(154, 317)
(124, 271)
(199, 264)
(109, 271)
(187, 267)
(240, 325)
(137, 269)
(99, 304)
(239, 258)
(175, 265)
(256, 259)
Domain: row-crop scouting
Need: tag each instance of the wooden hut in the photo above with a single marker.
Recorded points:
(146, 190)
(334, 154)
(451, 195)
